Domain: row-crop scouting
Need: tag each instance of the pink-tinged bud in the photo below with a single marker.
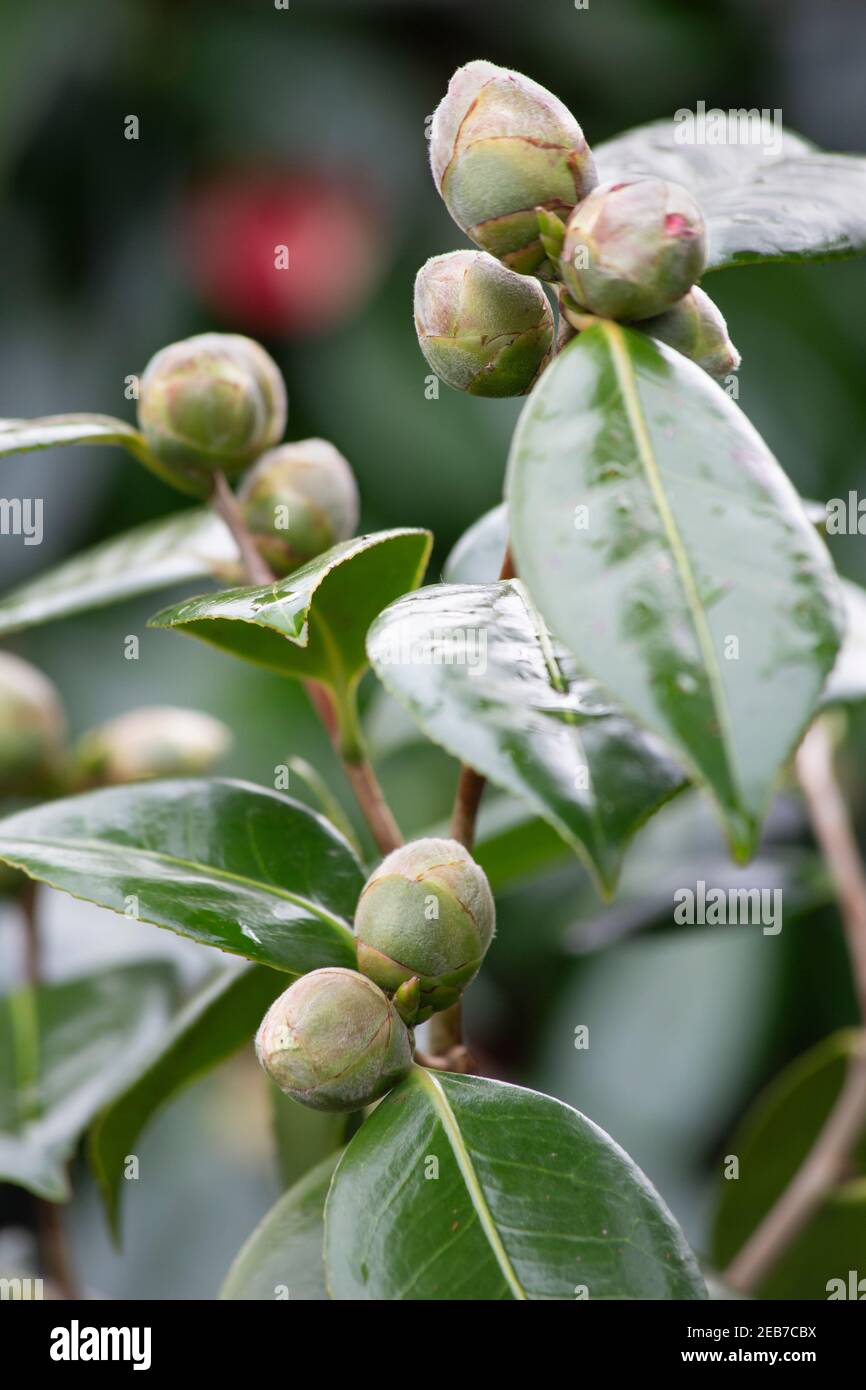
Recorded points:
(298, 501)
(632, 249)
(211, 402)
(501, 145)
(696, 328)
(482, 328)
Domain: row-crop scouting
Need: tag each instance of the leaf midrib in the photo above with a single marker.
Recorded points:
(421, 1077)
(211, 870)
(634, 411)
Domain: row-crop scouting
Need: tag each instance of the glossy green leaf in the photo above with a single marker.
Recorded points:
(283, 1257)
(667, 549)
(229, 864)
(219, 1018)
(66, 1050)
(777, 198)
(477, 556)
(457, 1187)
(190, 545)
(313, 623)
(771, 1144)
(846, 683)
(659, 149)
(52, 431)
(476, 667)
(812, 207)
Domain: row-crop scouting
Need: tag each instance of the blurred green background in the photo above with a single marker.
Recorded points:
(258, 125)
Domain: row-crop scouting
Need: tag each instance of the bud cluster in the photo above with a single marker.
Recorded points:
(339, 1039)
(515, 171)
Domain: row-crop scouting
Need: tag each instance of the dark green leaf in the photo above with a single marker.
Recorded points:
(218, 1019)
(477, 556)
(313, 623)
(283, 1257)
(187, 546)
(476, 667)
(457, 1187)
(66, 1050)
(694, 586)
(227, 863)
(771, 1144)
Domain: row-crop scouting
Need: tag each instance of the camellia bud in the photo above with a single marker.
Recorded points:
(299, 500)
(32, 727)
(211, 402)
(424, 921)
(696, 328)
(632, 249)
(501, 146)
(482, 328)
(158, 741)
(333, 1041)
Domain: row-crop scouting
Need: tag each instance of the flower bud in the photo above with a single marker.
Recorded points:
(632, 249)
(482, 328)
(32, 727)
(333, 1041)
(426, 915)
(501, 146)
(211, 402)
(696, 328)
(299, 500)
(158, 741)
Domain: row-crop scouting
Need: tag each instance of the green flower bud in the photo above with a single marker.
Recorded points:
(211, 402)
(696, 328)
(501, 146)
(32, 727)
(482, 328)
(299, 500)
(424, 922)
(632, 249)
(158, 741)
(333, 1041)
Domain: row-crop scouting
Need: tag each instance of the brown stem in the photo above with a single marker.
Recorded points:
(225, 503)
(470, 788)
(827, 1160)
(55, 1251)
(371, 799)
(364, 783)
(32, 948)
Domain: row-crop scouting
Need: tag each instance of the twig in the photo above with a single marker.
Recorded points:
(258, 571)
(365, 785)
(826, 1162)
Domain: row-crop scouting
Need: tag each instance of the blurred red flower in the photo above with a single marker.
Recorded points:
(282, 252)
